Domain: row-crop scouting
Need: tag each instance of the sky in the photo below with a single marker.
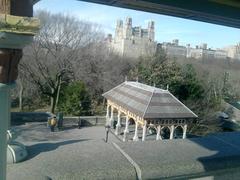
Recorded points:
(167, 28)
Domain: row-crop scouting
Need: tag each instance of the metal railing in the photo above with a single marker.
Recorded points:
(84, 121)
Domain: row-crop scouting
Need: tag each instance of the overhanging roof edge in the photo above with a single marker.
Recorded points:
(162, 7)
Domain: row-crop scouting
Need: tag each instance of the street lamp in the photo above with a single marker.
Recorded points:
(107, 128)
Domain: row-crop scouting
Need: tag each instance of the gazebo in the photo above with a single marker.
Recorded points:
(148, 106)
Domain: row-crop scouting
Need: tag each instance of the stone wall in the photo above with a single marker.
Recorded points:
(84, 121)
(18, 118)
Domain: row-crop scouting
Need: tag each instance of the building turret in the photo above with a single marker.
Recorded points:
(238, 48)
(132, 41)
(175, 42)
(151, 33)
(128, 28)
(119, 29)
(203, 46)
(119, 23)
(188, 51)
(109, 38)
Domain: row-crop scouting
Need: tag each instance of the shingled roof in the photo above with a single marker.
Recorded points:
(148, 102)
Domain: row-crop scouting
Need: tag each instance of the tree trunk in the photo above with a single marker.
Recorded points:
(53, 104)
(58, 91)
(53, 101)
(55, 94)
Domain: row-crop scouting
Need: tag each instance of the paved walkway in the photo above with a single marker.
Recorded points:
(82, 154)
(71, 154)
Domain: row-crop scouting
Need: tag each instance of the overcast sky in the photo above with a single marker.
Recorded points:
(166, 27)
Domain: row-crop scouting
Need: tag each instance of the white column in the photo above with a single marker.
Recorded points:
(185, 131)
(144, 131)
(135, 138)
(171, 131)
(111, 118)
(118, 126)
(127, 125)
(4, 122)
(126, 131)
(159, 137)
(107, 115)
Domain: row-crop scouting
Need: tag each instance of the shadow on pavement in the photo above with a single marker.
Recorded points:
(226, 148)
(39, 148)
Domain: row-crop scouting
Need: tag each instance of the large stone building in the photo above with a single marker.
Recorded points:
(200, 52)
(132, 41)
(174, 49)
(220, 54)
(233, 52)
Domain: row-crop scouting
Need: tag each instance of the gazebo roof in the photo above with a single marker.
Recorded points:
(148, 102)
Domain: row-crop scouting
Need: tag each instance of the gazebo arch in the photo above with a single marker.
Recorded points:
(149, 107)
(165, 132)
(179, 131)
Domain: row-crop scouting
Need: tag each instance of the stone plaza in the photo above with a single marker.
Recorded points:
(75, 154)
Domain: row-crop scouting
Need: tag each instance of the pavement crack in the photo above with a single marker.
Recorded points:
(134, 164)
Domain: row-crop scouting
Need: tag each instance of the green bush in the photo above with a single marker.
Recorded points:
(75, 100)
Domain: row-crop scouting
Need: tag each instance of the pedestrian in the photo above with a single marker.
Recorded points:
(53, 123)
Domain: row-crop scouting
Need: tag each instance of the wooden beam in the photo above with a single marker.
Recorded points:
(22, 8)
(5, 6)
(19, 25)
(137, 118)
(17, 7)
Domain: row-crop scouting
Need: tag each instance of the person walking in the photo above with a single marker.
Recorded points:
(53, 123)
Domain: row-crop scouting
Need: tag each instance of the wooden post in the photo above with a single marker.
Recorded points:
(111, 118)
(9, 59)
(126, 131)
(135, 138)
(96, 122)
(144, 131)
(171, 131)
(5, 6)
(4, 122)
(107, 114)
(118, 126)
(184, 131)
(158, 137)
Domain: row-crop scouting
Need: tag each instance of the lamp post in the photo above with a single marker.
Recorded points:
(16, 31)
(107, 128)
(4, 121)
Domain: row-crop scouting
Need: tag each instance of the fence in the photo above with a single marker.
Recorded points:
(19, 118)
(84, 121)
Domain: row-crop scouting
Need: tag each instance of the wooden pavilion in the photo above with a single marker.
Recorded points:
(148, 106)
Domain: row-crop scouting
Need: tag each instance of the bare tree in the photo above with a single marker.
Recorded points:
(49, 61)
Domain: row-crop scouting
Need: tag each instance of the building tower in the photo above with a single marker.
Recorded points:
(128, 28)
(175, 42)
(188, 50)
(132, 41)
(119, 29)
(203, 46)
(151, 33)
